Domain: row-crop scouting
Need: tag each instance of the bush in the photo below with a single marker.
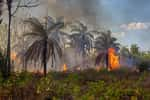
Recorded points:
(23, 79)
(96, 88)
(86, 85)
(143, 65)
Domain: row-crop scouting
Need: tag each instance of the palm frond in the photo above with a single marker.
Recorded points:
(50, 21)
(76, 30)
(73, 26)
(55, 45)
(95, 32)
(36, 26)
(81, 25)
(32, 34)
(105, 41)
(90, 35)
(34, 51)
(39, 35)
(55, 27)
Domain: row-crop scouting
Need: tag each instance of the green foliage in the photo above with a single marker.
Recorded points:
(23, 79)
(134, 49)
(19, 80)
(96, 88)
(86, 85)
(45, 84)
(144, 65)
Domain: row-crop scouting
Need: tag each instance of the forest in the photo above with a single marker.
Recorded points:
(51, 58)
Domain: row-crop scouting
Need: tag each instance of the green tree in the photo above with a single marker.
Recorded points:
(43, 46)
(134, 49)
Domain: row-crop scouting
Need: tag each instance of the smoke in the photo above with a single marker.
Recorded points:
(139, 3)
(90, 11)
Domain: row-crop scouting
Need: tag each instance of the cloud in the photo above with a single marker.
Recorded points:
(119, 34)
(135, 26)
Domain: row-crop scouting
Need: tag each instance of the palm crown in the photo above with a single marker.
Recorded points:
(81, 38)
(43, 45)
(106, 41)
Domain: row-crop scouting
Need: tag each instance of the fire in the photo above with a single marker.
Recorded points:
(13, 56)
(78, 68)
(64, 68)
(113, 59)
(98, 68)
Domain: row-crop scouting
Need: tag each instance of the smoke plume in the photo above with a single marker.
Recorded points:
(90, 11)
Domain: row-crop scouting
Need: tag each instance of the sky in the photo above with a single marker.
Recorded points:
(129, 20)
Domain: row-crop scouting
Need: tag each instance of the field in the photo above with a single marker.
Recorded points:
(86, 85)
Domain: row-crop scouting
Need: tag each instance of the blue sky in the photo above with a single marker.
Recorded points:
(127, 12)
(129, 20)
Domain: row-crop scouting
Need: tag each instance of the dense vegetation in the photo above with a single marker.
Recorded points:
(86, 85)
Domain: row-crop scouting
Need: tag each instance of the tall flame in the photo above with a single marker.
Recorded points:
(113, 59)
(13, 56)
(64, 68)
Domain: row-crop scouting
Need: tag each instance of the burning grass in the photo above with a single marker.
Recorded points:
(80, 85)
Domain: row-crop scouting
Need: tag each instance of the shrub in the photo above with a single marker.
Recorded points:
(44, 85)
(23, 79)
(143, 65)
(96, 88)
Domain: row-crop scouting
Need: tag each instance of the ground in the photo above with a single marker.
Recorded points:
(90, 84)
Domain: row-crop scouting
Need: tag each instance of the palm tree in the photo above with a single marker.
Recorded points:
(81, 38)
(43, 46)
(134, 49)
(57, 33)
(103, 43)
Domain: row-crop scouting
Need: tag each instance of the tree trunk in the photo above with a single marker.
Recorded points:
(9, 38)
(45, 58)
(107, 62)
(24, 65)
(53, 56)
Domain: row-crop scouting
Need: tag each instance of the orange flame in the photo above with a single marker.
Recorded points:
(78, 68)
(13, 56)
(64, 68)
(98, 68)
(113, 59)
